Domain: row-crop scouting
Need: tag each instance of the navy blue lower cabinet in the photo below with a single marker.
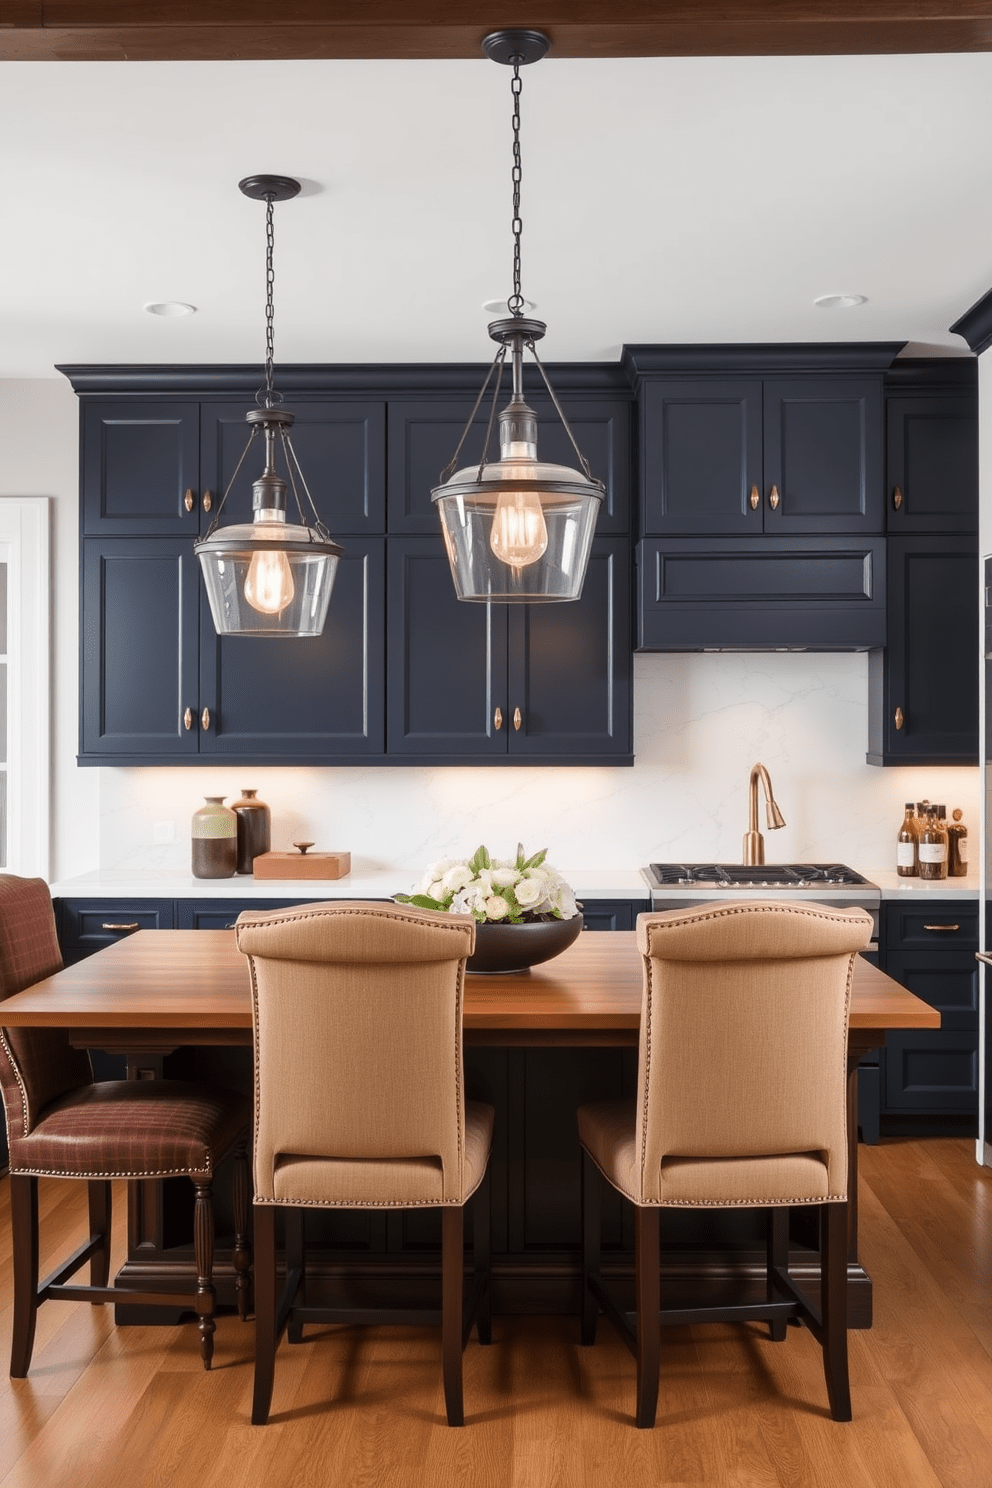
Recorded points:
(220, 914)
(923, 688)
(815, 593)
(88, 925)
(612, 914)
(513, 684)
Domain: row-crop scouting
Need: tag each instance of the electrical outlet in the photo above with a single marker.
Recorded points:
(164, 831)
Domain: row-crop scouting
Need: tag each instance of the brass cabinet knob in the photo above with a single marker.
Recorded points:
(188, 719)
(188, 501)
(517, 719)
(897, 498)
(205, 718)
(498, 718)
(773, 498)
(208, 501)
(755, 498)
(900, 718)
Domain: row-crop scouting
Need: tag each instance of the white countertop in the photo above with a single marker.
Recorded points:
(365, 881)
(894, 887)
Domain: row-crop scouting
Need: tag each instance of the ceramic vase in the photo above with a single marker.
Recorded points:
(254, 829)
(214, 833)
(504, 948)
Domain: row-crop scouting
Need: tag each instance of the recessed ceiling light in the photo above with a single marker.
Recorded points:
(840, 301)
(170, 308)
(498, 307)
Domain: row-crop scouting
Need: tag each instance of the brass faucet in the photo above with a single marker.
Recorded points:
(754, 843)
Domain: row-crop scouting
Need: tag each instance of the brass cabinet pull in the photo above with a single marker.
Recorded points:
(755, 498)
(188, 719)
(900, 718)
(208, 501)
(897, 498)
(122, 928)
(205, 718)
(188, 501)
(517, 720)
(498, 718)
(773, 498)
(947, 928)
(984, 957)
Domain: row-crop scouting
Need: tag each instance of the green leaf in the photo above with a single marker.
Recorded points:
(535, 861)
(479, 860)
(420, 901)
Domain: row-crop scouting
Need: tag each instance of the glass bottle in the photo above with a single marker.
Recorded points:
(933, 846)
(254, 829)
(957, 846)
(907, 846)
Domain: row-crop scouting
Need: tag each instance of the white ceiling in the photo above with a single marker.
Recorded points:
(665, 200)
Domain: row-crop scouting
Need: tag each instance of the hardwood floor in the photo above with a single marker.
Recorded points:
(107, 1406)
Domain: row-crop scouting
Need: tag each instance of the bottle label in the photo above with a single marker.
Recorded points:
(905, 855)
(962, 849)
(933, 852)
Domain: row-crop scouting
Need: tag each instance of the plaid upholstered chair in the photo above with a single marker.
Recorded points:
(359, 1104)
(741, 1103)
(63, 1124)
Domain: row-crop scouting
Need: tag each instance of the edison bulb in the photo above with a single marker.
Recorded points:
(269, 583)
(519, 534)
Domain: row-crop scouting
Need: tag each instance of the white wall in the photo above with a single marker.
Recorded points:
(701, 721)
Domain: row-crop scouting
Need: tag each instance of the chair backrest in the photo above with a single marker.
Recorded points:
(357, 1016)
(743, 1042)
(37, 1065)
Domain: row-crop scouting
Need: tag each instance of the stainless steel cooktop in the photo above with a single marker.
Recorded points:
(754, 876)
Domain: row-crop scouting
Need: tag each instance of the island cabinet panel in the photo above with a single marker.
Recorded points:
(923, 688)
(424, 434)
(752, 456)
(537, 683)
(138, 460)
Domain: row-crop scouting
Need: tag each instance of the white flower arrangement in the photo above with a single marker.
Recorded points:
(512, 891)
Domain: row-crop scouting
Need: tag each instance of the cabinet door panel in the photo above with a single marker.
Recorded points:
(282, 698)
(936, 1072)
(929, 671)
(933, 460)
(424, 434)
(139, 630)
(823, 452)
(700, 457)
(570, 666)
(340, 449)
(138, 462)
(447, 660)
(947, 980)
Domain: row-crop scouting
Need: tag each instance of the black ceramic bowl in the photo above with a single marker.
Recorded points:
(501, 948)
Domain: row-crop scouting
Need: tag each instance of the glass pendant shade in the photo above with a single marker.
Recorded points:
(518, 529)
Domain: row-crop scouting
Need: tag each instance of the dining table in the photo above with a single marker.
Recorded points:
(155, 992)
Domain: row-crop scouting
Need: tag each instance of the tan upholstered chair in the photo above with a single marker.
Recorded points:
(359, 1102)
(63, 1124)
(741, 1102)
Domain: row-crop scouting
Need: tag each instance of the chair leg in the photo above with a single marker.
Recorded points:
(24, 1225)
(591, 1245)
(452, 1303)
(266, 1302)
(833, 1307)
(100, 1196)
(294, 1221)
(203, 1249)
(482, 1258)
(647, 1269)
(777, 1254)
(242, 1236)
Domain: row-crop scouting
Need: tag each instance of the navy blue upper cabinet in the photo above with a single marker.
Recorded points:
(932, 468)
(530, 683)
(140, 468)
(424, 433)
(748, 456)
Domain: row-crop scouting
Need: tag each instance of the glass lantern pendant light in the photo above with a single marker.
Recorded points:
(517, 529)
(269, 576)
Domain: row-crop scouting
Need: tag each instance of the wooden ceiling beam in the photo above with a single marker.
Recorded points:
(231, 30)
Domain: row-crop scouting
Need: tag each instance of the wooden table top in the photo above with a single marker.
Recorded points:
(198, 980)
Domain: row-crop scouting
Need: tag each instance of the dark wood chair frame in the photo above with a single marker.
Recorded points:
(277, 1313)
(641, 1329)
(29, 1294)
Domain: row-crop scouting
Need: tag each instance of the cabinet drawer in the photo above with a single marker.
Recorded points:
(611, 914)
(90, 924)
(220, 914)
(947, 980)
(952, 924)
(935, 1072)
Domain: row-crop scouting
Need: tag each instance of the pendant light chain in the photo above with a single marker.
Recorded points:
(270, 279)
(515, 303)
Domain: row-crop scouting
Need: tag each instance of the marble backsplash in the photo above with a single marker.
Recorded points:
(701, 722)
